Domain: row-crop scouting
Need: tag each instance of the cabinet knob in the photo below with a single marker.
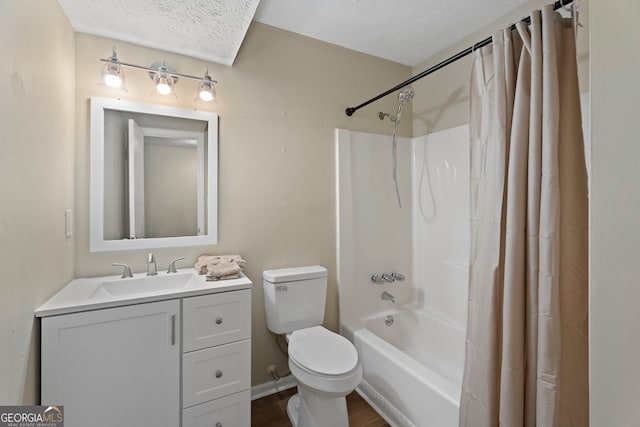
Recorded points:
(218, 320)
(218, 373)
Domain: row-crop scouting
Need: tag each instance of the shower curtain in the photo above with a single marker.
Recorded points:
(526, 352)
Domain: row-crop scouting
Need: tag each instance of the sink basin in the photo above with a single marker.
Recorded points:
(143, 285)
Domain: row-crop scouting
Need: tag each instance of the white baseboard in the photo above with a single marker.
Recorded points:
(272, 387)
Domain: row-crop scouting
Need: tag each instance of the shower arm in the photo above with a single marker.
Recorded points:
(349, 111)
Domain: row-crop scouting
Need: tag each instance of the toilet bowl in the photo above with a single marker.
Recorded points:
(324, 364)
(326, 368)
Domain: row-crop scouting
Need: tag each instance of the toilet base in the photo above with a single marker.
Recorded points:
(293, 409)
(308, 408)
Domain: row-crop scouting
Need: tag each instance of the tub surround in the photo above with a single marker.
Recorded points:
(412, 351)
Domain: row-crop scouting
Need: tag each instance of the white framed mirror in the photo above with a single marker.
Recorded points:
(154, 176)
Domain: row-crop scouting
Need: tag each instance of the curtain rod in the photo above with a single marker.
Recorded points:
(349, 111)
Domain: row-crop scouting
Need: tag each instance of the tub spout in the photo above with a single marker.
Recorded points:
(388, 297)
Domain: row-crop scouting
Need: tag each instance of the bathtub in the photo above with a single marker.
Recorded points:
(412, 369)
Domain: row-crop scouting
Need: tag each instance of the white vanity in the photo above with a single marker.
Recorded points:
(169, 350)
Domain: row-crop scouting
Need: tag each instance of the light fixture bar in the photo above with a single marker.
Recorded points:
(154, 70)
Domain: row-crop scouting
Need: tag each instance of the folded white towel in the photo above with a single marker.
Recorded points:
(205, 260)
(223, 269)
(227, 277)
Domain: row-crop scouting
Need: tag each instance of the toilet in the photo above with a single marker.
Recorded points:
(324, 364)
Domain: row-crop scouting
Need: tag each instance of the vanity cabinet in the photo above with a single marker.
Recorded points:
(122, 366)
(114, 367)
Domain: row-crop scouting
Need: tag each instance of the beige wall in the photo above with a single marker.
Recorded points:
(36, 181)
(442, 98)
(278, 107)
(615, 213)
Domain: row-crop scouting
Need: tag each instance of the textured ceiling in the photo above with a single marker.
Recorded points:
(212, 30)
(404, 31)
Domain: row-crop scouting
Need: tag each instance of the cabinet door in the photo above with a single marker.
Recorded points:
(114, 367)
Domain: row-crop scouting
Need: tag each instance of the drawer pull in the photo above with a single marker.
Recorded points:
(218, 320)
(218, 424)
(218, 373)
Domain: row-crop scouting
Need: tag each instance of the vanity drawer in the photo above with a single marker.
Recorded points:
(215, 372)
(228, 411)
(216, 319)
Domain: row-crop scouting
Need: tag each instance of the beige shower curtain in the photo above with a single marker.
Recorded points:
(526, 353)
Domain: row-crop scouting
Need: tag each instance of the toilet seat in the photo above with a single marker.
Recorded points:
(322, 352)
(323, 361)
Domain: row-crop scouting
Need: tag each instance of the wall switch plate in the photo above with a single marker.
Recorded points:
(68, 223)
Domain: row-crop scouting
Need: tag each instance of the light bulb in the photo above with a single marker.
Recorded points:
(163, 89)
(112, 76)
(113, 80)
(206, 89)
(163, 86)
(206, 95)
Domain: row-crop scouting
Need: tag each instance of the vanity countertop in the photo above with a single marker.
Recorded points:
(93, 293)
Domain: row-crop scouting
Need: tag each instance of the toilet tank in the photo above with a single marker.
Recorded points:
(294, 298)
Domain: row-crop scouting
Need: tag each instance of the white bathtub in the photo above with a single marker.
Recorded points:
(412, 370)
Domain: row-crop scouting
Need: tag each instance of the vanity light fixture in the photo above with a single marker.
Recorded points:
(163, 75)
(206, 88)
(112, 74)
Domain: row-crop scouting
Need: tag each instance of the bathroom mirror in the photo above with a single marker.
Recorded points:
(153, 176)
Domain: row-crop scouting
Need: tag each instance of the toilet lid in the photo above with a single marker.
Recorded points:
(320, 350)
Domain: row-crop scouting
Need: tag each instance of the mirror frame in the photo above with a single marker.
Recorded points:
(97, 243)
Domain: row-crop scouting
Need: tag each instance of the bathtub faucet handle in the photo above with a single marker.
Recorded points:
(398, 276)
(377, 279)
(388, 278)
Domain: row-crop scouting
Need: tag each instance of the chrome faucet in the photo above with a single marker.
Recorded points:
(172, 265)
(388, 297)
(388, 278)
(151, 265)
(126, 271)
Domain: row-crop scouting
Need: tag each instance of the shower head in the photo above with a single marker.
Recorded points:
(406, 95)
(403, 97)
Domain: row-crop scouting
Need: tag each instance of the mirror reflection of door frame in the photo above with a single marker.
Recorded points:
(136, 180)
(201, 172)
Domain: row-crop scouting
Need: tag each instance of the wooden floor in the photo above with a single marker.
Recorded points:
(271, 411)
